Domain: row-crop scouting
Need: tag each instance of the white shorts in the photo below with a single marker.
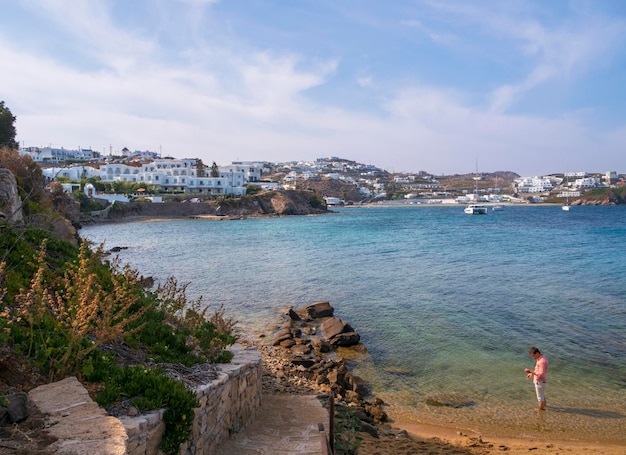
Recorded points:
(540, 389)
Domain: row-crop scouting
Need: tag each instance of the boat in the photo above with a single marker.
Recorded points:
(476, 209)
(497, 207)
(566, 206)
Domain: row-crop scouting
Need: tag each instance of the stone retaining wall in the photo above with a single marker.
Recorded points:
(227, 404)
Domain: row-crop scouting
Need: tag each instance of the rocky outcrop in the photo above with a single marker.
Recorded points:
(124, 210)
(610, 197)
(303, 353)
(269, 203)
(328, 187)
(273, 203)
(10, 202)
(58, 226)
(11, 211)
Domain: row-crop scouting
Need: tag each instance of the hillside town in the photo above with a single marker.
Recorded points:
(339, 181)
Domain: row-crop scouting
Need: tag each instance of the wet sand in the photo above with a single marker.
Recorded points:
(432, 439)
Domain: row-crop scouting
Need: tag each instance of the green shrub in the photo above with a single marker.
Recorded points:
(60, 305)
(150, 389)
(88, 204)
(316, 201)
(347, 427)
(252, 189)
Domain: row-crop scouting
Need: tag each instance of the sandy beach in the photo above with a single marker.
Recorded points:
(429, 444)
(400, 438)
(459, 441)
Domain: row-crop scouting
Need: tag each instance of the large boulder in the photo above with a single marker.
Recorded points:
(320, 345)
(316, 310)
(339, 333)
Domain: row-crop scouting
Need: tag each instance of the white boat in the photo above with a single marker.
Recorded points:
(497, 207)
(476, 209)
(566, 206)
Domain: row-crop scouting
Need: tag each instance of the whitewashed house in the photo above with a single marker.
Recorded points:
(54, 154)
(73, 173)
(586, 183)
(533, 184)
(182, 175)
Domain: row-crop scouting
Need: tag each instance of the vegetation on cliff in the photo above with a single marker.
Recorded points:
(604, 196)
(272, 203)
(67, 309)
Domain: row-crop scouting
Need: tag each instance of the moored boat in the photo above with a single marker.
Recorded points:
(566, 206)
(476, 209)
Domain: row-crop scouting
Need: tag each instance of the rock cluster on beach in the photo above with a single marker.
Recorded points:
(302, 357)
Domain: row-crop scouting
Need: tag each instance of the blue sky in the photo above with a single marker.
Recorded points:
(530, 86)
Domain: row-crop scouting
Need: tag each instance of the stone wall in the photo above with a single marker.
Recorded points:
(227, 404)
(75, 422)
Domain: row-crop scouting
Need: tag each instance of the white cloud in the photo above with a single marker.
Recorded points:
(558, 54)
(365, 81)
(228, 101)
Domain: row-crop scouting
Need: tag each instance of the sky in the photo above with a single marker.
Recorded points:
(443, 86)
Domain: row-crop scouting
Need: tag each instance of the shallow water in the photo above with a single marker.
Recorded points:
(446, 303)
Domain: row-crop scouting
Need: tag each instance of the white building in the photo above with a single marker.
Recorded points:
(570, 193)
(242, 172)
(587, 182)
(53, 155)
(73, 173)
(533, 184)
(333, 201)
(169, 174)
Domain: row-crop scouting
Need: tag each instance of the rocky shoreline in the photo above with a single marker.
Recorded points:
(307, 355)
(263, 204)
(302, 358)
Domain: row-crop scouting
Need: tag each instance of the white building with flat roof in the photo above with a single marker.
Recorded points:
(54, 154)
(169, 174)
(533, 184)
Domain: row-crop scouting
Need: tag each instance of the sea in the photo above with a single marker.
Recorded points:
(447, 304)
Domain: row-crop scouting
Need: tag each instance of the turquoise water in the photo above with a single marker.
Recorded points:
(446, 303)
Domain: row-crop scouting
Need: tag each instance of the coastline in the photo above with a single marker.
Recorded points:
(427, 437)
(495, 444)
(429, 430)
(211, 217)
(397, 435)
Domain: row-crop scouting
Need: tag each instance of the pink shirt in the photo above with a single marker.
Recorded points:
(541, 369)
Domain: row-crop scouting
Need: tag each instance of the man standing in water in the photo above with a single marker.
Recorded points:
(539, 376)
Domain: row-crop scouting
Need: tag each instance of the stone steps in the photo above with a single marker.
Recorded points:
(284, 425)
